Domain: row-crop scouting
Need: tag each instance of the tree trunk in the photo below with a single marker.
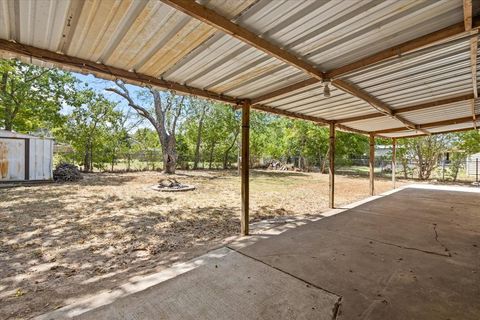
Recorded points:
(210, 160)
(199, 139)
(86, 160)
(227, 152)
(405, 168)
(8, 119)
(170, 156)
(324, 162)
(91, 158)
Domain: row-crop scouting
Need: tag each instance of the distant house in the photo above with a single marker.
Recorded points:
(473, 164)
(25, 157)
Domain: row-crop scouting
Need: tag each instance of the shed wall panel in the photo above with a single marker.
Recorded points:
(12, 159)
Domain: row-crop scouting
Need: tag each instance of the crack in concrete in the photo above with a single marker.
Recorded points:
(337, 304)
(410, 248)
(436, 239)
(336, 308)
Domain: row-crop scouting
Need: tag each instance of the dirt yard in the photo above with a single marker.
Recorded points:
(64, 241)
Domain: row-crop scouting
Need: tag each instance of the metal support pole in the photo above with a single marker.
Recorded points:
(371, 161)
(245, 167)
(331, 166)
(476, 169)
(394, 161)
(443, 167)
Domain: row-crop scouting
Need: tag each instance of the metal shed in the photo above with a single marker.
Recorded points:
(25, 157)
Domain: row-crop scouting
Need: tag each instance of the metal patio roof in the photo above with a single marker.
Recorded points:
(398, 68)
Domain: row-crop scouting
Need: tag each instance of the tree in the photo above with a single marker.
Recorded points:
(31, 97)
(145, 141)
(200, 108)
(425, 151)
(90, 127)
(465, 143)
(120, 142)
(166, 113)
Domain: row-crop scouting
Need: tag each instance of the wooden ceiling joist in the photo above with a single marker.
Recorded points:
(218, 21)
(474, 116)
(422, 106)
(467, 14)
(109, 72)
(430, 125)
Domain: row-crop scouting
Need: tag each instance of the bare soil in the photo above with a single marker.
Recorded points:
(63, 241)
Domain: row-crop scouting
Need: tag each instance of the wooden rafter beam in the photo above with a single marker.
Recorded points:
(430, 125)
(218, 21)
(474, 115)
(108, 72)
(467, 14)
(422, 106)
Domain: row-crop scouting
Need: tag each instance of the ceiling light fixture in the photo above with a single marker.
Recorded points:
(326, 89)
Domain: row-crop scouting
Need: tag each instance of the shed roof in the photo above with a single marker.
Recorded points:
(16, 135)
(399, 68)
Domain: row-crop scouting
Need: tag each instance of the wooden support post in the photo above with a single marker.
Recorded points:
(371, 161)
(331, 166)
(394, 161)
(245, 167)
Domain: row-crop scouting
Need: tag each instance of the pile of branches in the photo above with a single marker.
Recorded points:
(66, 172)
(277, 165)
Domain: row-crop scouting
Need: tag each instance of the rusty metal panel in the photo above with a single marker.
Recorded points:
(12, 159)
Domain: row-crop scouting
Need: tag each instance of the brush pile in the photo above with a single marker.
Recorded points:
(66, 172)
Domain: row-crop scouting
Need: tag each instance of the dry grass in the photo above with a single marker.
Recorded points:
(62, 241)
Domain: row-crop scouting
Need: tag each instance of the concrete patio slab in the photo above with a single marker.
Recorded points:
(235, 287)
(398, 257)
(409, 254)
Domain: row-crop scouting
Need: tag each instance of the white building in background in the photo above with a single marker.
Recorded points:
(473, 164)
(25, 157)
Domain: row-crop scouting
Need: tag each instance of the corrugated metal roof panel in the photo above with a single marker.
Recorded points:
(440, 113)
(334, 33)
(376, 124)
(452, 127)
(428, 75)
(311, 101)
